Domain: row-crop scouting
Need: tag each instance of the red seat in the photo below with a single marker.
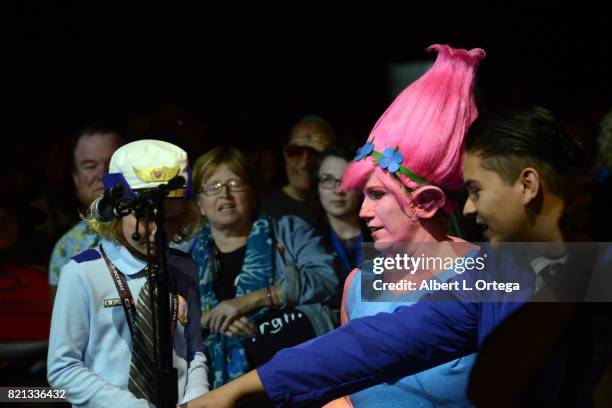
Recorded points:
(25, 309)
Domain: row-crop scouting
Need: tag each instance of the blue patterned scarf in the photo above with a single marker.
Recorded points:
(227, 358)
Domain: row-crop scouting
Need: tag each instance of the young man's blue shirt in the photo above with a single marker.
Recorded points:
(388, 346)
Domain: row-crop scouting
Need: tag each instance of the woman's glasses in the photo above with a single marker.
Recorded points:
(328, 181)
(234, 185)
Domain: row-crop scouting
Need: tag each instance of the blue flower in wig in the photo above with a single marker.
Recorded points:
(364, 151)
(391, 160)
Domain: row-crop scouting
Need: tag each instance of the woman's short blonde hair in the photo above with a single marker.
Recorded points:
(206, 165)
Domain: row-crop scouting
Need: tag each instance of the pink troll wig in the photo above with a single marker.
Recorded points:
(426, 123)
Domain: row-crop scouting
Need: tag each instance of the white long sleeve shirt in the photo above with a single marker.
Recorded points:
(90, 344)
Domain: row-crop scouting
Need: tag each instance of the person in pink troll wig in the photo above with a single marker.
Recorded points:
(407, 169)
(410, 164)
(415, 150)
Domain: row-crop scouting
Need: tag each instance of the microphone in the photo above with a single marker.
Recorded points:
(111, 204)
(103, 207)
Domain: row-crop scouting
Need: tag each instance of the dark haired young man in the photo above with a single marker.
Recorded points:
(565, 349)
(516, 169)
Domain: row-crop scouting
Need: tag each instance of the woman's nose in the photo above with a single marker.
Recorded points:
(366, 209)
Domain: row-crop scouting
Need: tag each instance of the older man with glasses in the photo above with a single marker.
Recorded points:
(309, 136)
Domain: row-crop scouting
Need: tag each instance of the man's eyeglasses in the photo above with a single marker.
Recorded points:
(328, 181)
(295, 152)
(234, 185)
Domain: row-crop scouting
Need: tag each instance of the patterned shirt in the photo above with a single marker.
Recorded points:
(73, 242)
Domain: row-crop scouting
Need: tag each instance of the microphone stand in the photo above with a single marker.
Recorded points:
(144, 205)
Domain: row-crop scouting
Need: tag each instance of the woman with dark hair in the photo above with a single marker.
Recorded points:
(337, 212)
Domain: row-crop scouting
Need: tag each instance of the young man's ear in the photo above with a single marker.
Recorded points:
(529, 182)
(427, 200)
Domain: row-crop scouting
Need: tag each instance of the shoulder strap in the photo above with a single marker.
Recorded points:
(347, 285)
(124, 292)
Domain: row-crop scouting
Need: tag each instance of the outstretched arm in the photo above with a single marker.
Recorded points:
(248, 386)
(360, 354)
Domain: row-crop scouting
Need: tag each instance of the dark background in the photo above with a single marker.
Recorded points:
(241, 75)
(249, 71)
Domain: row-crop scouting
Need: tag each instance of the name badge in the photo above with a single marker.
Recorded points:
(112, 302)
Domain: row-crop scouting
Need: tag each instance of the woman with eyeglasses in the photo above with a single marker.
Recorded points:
(337, 212)
(265, 284)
